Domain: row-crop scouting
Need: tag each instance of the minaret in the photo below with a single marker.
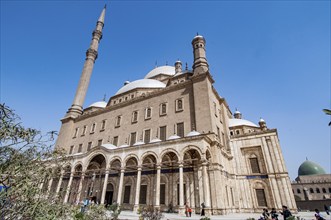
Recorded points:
(91, 55)
(200, 64)
(178, 67)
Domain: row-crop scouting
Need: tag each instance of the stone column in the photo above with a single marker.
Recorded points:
(157, 187)
(181, 190)
(49, 186)
(104, 189)
(80, 186)
(68, 189)
(192, 190)
(136, 200)
(59, 184)
(206, 187)
(120, 188)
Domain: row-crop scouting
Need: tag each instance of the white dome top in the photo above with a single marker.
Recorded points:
(172, 137)
(109, 146)
(100, 104)
(192, 133)
(139, 143)
(167, 70)
(141, 83)
(155, 140)
(239, 122)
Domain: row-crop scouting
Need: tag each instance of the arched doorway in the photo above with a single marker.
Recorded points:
(109, 194)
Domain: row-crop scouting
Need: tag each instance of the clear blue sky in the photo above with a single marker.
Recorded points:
(269, 59)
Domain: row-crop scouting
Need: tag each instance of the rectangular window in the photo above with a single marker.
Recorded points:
(134, 117)
(163, 133)
(254, 165)
(133, 138)
(179, 105)
(115, 141)
(163, 109)
(103, 125)
(223, 138)
(93, 128)
(89, 146)
(260, 196)
(127, 191)
(220, 114)
(118, 121)
(84, 130)
(218, 132)
(80, 147)
(147, 136)
(143, 194)
(99, 142)
(71, 149)
(215, 109)
(180, 129)
(148, 113)
(162, 194)
(75, 133)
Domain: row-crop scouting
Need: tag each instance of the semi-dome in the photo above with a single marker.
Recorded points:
(310, 168)
(141, 83)
(100, 104)
(166, 70)
(239, 122)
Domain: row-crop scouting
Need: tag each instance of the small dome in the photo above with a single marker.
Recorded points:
(155, 140)
(239, 122)
(109, 146)
(139, 143)
(124, 145)
(141, 83)
(167, 70)
(261, 120)
(192, 133)
(172, 137)
(100, 104)
(310, 168)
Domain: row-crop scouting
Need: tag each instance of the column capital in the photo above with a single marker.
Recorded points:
(139, 168)
(158, 166)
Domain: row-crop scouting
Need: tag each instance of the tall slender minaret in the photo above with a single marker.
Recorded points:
(91, 55)
(200, 64)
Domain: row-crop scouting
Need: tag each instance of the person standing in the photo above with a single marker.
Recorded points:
(286, 213)
(203, 209)
(326, 209)
(274, 215)
(318, 215)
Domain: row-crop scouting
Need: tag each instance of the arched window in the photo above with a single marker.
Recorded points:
(163, 109)
(324, 190)
(318, 190)
(179, 105)
(148, 113)
(298, 191)
(134, 116)
(311, 190)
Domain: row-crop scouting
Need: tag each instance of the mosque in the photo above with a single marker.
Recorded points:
(312, 187)
(167, 140)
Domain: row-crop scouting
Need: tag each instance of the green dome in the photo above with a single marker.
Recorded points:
(310, 168)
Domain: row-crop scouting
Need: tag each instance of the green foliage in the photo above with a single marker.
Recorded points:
(251, 219)
(291, 218)
(328, 112)
(115, 210)
(24, 168)
(150, 213)
(205, 218)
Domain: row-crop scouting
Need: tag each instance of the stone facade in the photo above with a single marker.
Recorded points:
(170, 143)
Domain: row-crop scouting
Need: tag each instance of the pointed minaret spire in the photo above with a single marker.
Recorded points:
(76, 108)
(102, 15)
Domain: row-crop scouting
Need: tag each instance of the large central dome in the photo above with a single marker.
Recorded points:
(166, 70)
(141, 83)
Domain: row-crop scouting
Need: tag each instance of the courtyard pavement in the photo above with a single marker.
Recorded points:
(129, 215)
